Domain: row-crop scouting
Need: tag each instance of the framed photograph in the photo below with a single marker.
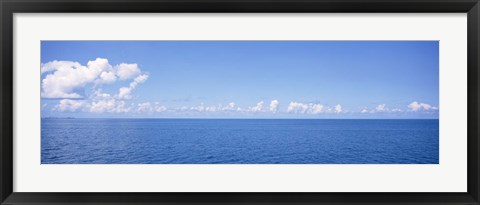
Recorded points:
(239, 102)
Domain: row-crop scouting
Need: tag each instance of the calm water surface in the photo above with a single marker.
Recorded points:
(238, 141)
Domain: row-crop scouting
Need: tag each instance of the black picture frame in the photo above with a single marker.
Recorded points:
(9, 7)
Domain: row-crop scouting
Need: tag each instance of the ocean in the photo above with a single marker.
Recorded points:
(239, 141)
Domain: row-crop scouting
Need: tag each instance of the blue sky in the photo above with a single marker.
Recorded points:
(240, 79)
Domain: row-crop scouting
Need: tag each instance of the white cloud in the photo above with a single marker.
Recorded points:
(274, 106)
(381, 108)
(296, 107)
(127, 71)
(104, 102)
(144, 107)
(396, 110)
(99, 95)
(140, 79)
(416, 106)
(99, 65)
(107, 77)
(103, 106)
(302, 108)
(100, 103)
(229, 107)
(109, 105)
(54, 65)
(69, 105)
(65, 79)
(199, 108)
(121, 108)
(258, 107)
(150, 107)
(338, 108)
(211, 108)
(159, 108)
(315, 108)
(125, 92)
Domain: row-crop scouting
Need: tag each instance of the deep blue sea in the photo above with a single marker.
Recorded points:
(239, 141)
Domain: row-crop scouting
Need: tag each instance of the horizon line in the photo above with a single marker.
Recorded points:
(240, 118)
